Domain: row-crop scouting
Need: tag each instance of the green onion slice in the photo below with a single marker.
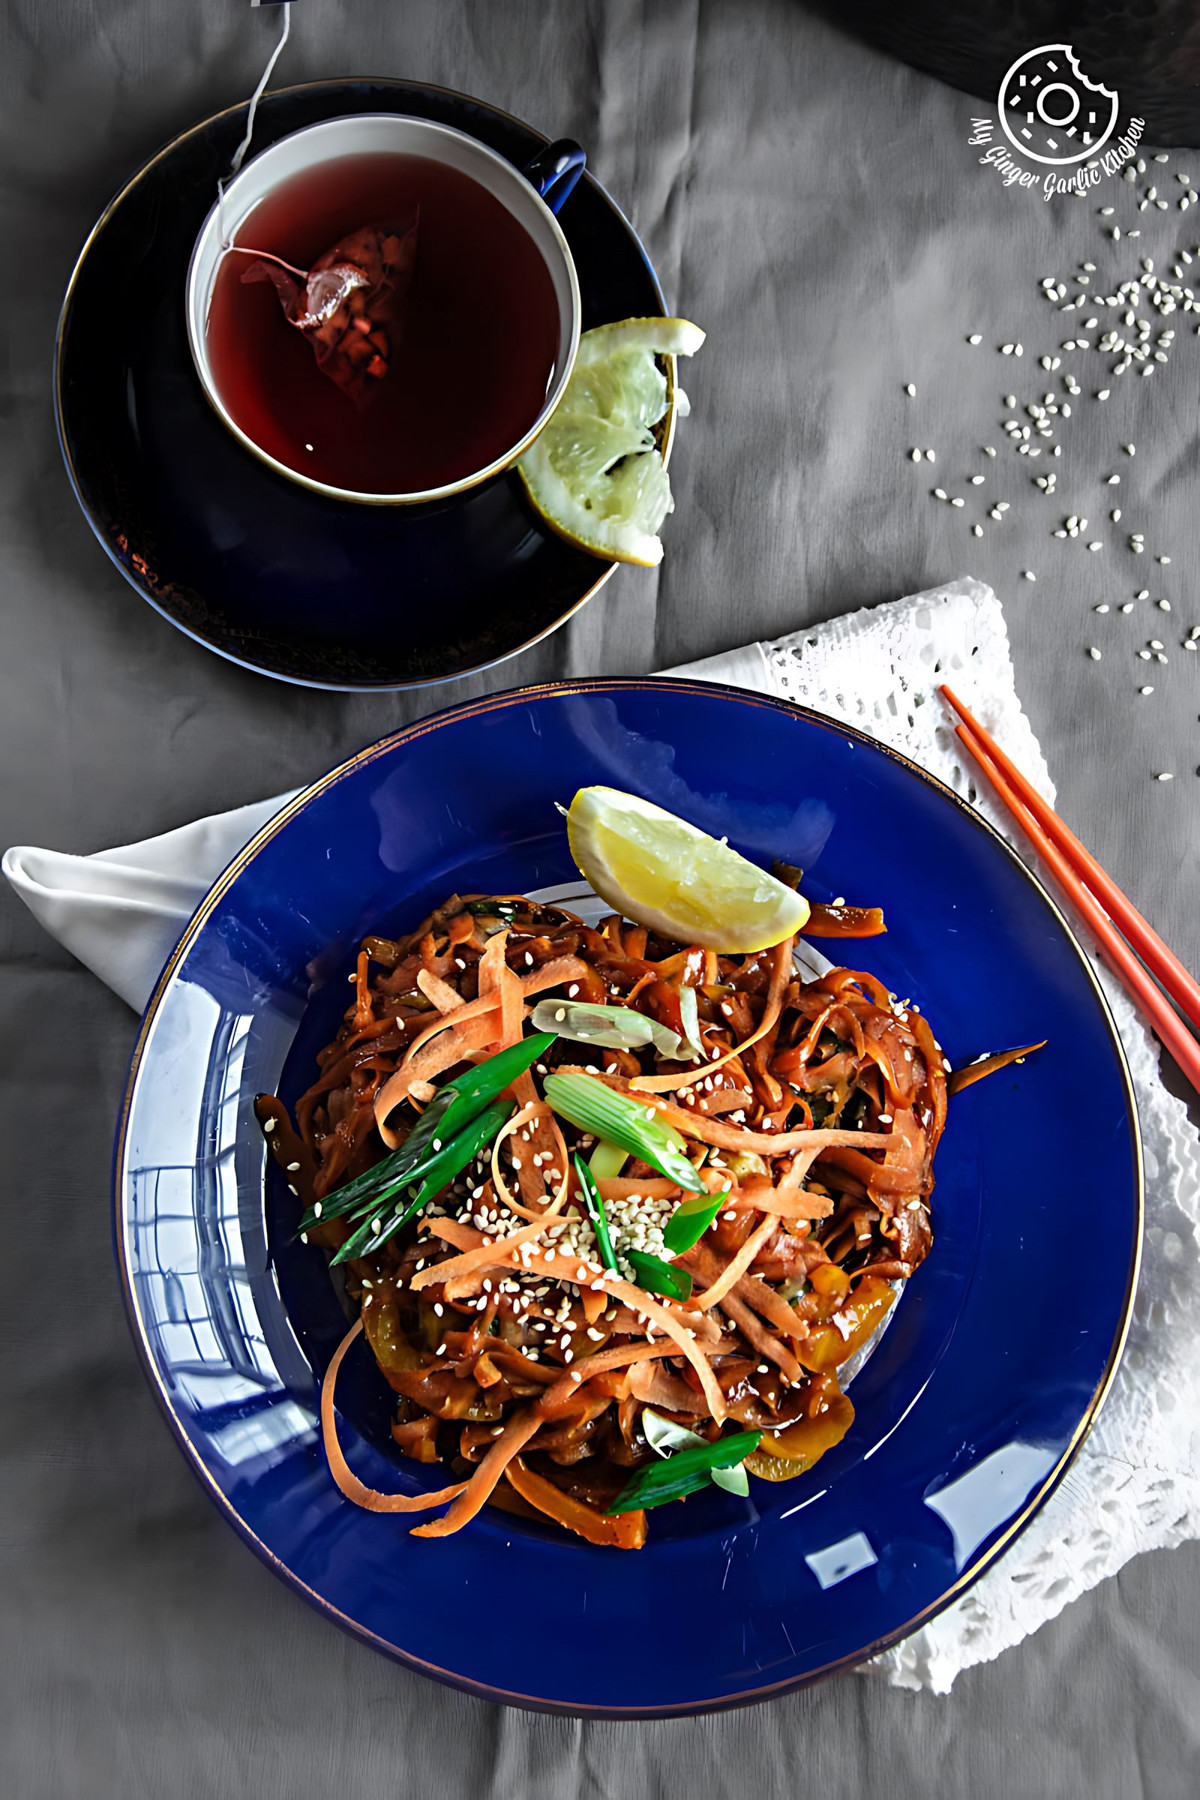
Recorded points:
(683, 1472)
(616, 1119)
(659, 1277)
(691, 1219)
(664, 1435)
(450, 1111)
(613, 1027)
(594, 1207)
(607, 1161)
(734, 1481)
(449, 1162)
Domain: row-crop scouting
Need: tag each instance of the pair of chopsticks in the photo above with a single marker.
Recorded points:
(1098, 900)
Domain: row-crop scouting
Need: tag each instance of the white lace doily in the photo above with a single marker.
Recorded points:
(1135, 1484)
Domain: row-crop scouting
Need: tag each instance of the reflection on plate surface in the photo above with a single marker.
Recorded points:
(971, 1403)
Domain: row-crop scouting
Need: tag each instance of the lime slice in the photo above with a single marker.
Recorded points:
(662, 872)
(595, 473)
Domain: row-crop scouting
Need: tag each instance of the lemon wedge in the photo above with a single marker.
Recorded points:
(665, 874)
(594, 473)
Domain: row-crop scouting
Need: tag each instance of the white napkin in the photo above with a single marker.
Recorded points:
(1135, 1485)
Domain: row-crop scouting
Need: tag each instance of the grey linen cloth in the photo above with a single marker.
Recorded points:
(817, 209)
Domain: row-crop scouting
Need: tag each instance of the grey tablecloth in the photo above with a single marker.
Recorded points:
(817, 208)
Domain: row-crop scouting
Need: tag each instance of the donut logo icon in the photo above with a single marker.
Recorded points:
(1050, 111)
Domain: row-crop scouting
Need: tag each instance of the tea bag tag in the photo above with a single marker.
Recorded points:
(240, 153)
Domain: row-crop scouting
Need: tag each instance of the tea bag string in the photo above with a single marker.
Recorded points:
(240, 153)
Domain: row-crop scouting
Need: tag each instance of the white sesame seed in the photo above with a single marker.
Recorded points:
(1166, 775)
(1145, 690)
(1029, 574)
(975, 338)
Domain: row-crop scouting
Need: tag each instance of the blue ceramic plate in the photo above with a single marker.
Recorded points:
(257, 568)
(975, 1400)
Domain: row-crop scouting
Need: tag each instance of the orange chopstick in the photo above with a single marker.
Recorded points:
(1157, 956)
(1162, 1018)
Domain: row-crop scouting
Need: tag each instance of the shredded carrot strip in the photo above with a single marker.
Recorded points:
(737, 1267)
(516, 1434)
(656, 1187)
(467, 1036)
(485, 1007)
(734, 1137)
(561, 1267)
(545, 1141)
(626, 1531)
(363, 1013)
(769, 1305)
(570, 1383)
(481, 1254)
(339, 1468)
(446, 998)
(970, 1073)
(762, 1340)
(783, 1205)
(498, 984)
(535, 1185)
(781, 972)
(795, 1172)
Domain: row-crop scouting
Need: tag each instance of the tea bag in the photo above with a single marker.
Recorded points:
(350, 305)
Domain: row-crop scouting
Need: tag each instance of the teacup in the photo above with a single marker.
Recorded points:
(483, 349)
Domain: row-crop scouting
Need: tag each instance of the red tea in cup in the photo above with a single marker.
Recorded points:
(471, 334)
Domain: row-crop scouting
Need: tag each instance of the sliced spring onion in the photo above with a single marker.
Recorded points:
(594, 1207)
(734, 1481)
(612, 1027)
(683, 1472)
(659, 1277)
(607, 1161)
(450, 1111)
(386, 1178)
(691, 1219)
(664, 1435)
(689, 1014)
(450, 1161)
(616, 1119)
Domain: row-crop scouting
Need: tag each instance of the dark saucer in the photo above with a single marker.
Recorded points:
(258, 569)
